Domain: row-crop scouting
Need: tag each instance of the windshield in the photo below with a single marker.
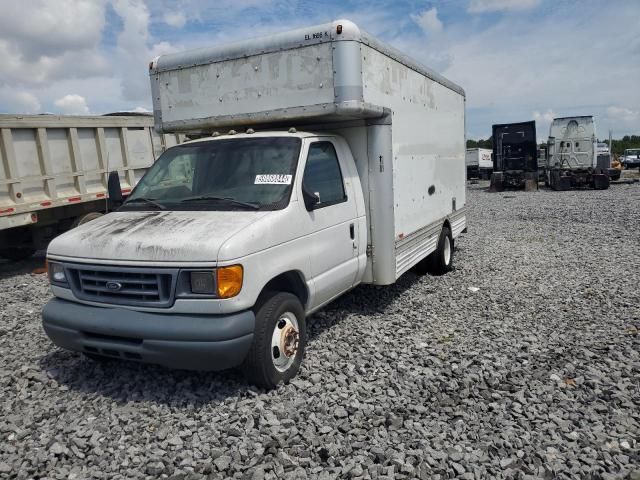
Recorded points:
(631, 152)
(243, 173)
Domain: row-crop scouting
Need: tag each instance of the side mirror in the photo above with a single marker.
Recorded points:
(113, 187)
(310, 199)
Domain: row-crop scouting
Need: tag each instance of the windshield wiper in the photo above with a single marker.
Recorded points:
(225, 199)
(148, 201)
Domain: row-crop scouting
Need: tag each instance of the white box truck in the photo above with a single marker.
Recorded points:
(350, 169)
(479, 163)
(53, 171)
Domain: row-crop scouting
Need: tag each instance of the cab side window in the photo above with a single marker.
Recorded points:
(322, 174)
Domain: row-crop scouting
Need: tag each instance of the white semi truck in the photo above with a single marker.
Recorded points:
(350, 169)
(53, 171)
(572, 155)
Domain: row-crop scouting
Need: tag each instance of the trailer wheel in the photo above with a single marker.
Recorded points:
(15, 254)
(279, 340)
(82, 219)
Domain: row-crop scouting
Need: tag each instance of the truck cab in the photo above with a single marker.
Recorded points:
(631, 158)
(243, 213)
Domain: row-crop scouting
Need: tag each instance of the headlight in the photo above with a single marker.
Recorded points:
(222, 282)
(57, 274)
(202, 283)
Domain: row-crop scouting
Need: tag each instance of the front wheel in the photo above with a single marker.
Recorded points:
(279, 340)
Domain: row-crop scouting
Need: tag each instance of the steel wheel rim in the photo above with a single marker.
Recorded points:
(447, 250)
(284, 341)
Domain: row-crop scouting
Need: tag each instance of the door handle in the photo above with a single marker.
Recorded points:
(352, 231)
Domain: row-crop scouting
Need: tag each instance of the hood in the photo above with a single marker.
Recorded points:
(186, 236)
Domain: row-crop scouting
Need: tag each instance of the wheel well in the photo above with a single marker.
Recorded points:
(292, 282)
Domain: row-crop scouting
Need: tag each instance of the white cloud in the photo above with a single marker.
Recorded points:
(19, 72)
(175, 19)
(46, 28)
(623, 114)
(141, 110)
(72, 104)
(428, 21)
(18, 101)
(133, 51)
(482, 6)
(47, 43)
(517, 66)
(543, 120)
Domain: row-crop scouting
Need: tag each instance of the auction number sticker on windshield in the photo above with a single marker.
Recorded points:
(273, 179)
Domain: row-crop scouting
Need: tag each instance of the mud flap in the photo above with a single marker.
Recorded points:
(560, 182)
(496, 182)
(530, 182)
(600, 181)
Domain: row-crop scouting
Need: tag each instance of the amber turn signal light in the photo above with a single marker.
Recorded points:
(229, 281)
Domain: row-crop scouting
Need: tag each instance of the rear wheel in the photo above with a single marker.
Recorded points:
(279, 340)
(440, 261)
(16, 254)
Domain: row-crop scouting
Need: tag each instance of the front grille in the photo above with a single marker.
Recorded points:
(123, 285)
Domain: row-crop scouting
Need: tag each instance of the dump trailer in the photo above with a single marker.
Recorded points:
(479, 163)
(328, 159)
(53, 171)
(573, 160)
(515, 156)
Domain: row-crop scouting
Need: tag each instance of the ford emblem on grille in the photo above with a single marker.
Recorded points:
(113, 286)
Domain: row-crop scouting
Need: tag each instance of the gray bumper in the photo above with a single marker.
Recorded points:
(192, 342)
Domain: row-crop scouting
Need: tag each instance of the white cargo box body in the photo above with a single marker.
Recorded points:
(479, 157)
(49, 161)
(404, 123)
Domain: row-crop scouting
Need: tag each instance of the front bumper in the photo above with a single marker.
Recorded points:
(191, 342)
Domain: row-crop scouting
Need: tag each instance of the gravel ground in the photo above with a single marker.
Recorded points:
(522, 363)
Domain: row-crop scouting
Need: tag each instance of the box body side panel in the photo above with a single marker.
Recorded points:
(428, 131)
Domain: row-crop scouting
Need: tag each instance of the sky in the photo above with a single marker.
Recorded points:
(517, 60)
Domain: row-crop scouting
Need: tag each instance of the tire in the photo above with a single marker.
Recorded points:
(16, 254)
(440, 261)
(81, 220)
(279, 319)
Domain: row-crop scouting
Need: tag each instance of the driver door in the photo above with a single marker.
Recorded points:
(333, 226)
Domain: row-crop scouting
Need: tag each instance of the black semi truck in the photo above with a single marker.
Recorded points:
(515, 156)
